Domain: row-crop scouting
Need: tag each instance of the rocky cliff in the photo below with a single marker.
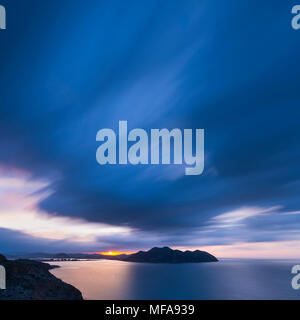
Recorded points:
(31, 280)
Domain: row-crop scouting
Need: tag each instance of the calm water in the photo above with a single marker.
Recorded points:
(227, 279)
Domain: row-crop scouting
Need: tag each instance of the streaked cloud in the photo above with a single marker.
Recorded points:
(165, 64)
(236, 217)
(19, 211)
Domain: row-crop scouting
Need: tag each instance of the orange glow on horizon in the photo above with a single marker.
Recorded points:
(112, 253)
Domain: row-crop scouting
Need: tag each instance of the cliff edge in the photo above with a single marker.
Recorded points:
(31, 280)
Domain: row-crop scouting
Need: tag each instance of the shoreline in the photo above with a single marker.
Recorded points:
(32, 280)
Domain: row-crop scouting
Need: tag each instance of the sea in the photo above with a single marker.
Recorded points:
(228, 279)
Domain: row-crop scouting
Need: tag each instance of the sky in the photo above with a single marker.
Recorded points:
(69, 68)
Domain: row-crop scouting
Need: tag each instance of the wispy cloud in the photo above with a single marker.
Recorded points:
(19, 211)
(237, 217)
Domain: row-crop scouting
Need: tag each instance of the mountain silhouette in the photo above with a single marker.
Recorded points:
(167, 255)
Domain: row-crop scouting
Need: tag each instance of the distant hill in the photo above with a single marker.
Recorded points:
(155, 255)
(66, 256)
(88, 256)
(167, 255)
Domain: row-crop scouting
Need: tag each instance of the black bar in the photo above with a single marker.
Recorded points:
(151, 309)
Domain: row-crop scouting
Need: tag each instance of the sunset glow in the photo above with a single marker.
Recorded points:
(19, 211)
(113, 253)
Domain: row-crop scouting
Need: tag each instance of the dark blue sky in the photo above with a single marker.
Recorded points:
(69, 68)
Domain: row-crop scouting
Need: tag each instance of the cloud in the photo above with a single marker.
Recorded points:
(237, 217)
(170, 65)
(19, 212)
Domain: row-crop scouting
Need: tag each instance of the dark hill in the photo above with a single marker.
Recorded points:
(167, 255)
(31, 280)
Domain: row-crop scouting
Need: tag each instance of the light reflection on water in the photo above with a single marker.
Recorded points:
(227, 279)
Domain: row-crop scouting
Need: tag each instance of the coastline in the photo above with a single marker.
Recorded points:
(32, 280)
